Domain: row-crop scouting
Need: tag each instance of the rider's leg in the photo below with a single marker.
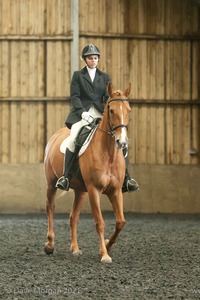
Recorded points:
(71, 154)
(64, 181)
(129, 184)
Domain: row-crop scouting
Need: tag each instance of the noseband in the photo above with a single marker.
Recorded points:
(113, 128)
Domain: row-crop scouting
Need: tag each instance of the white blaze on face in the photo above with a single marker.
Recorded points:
(123, 138)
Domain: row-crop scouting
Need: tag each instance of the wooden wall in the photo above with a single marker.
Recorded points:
(34, 76)
(154, 44)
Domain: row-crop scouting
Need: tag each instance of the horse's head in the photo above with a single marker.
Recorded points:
(118, 114)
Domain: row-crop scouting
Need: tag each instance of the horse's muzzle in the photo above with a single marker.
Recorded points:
(121, 144)
(121, 139)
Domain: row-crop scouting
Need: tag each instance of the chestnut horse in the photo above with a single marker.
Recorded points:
(102, 166)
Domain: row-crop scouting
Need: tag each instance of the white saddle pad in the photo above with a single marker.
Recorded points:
(64, 144)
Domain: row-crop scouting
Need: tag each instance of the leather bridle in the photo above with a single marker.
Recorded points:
(112, 127)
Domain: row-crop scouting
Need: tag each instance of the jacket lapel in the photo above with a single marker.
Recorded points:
(97, 76)
(86, 75)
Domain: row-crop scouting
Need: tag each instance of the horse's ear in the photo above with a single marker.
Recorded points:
(110, 89)
(128, 90)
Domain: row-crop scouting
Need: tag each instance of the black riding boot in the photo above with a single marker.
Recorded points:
(64, 181)
(129, 184)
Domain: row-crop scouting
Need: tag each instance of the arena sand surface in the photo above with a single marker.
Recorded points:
(156, 257)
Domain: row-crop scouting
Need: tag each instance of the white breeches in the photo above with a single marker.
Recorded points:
(76, 127)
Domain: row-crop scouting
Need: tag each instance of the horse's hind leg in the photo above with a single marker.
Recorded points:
(117, 204)
(78, 203)
(50, 207)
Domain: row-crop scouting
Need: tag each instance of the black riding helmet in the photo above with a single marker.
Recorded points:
(90, 50)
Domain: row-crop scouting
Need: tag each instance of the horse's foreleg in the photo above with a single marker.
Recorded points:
(78, 203)
(117, 204)
(50, 206)
(94, 197)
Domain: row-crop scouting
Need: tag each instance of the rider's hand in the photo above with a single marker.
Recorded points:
(86, 116)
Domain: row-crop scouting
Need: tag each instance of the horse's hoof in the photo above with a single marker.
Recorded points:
(48, 250)
(77, 253)
(106, 260)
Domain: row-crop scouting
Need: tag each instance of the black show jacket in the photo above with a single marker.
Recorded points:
(84, 93)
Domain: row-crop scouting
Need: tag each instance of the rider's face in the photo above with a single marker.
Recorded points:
(92, 61)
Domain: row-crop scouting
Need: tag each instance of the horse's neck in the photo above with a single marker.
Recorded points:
(106, 139)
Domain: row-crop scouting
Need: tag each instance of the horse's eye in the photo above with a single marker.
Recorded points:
(112, 111)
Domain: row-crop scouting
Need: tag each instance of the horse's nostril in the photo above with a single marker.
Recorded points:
(120, 145)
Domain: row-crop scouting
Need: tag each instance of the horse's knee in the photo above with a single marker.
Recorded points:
(100, 226)
(50, 207)
(73, 219)
(120, 224)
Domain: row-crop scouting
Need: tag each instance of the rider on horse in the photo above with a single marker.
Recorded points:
(88, 93)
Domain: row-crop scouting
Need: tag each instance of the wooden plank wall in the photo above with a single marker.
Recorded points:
(34, 75)
(154, 44)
